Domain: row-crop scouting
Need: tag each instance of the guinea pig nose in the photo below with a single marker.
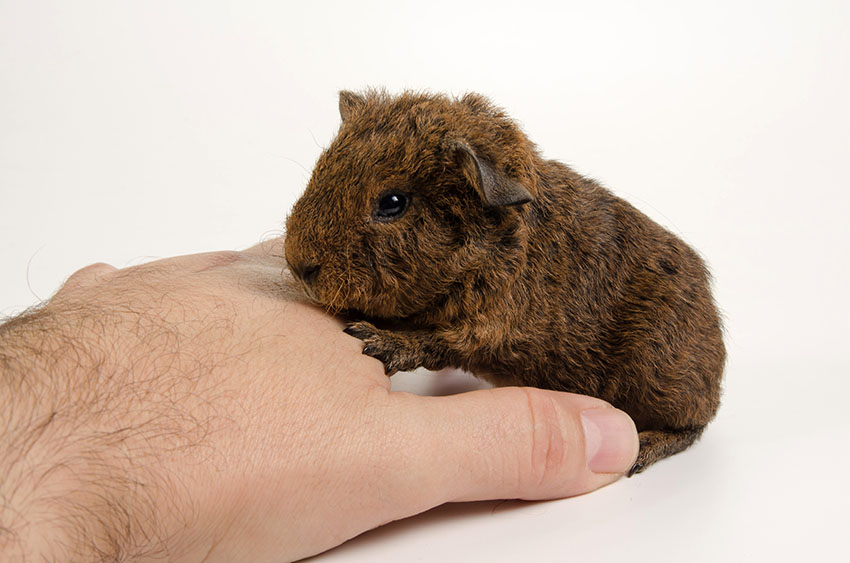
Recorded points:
(309, 273)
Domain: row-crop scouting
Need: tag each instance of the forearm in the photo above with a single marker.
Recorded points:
(67, 488)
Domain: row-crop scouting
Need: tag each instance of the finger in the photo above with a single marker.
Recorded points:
(521, 443)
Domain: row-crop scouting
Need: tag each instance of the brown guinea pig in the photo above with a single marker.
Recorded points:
(438, 224)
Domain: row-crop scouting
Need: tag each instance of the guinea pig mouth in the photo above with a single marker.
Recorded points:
(308, 289)
(318, 295)
(340, 295)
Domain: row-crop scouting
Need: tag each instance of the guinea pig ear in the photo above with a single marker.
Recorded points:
(494, 187)
(349, 104)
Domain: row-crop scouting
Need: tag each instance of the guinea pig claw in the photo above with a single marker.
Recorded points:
(377, 344)
(635, 469)
(381, 357)
(360, 330)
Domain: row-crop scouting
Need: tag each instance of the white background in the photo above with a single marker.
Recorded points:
(135, 130)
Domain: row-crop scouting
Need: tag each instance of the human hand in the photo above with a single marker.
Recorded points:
(195, 408)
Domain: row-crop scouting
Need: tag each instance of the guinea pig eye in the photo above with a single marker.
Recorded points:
(391, 206)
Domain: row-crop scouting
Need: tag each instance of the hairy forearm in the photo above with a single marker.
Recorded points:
(73, 486)
(46, 468)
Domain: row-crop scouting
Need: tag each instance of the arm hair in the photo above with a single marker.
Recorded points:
(78, 481)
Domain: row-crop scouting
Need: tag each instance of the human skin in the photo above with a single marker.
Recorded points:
(196, 408)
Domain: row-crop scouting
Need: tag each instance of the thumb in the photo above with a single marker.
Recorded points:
(519, 442)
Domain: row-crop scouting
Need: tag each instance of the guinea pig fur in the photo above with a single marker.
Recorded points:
(436, 223)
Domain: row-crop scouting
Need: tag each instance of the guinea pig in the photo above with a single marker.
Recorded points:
(436, 225)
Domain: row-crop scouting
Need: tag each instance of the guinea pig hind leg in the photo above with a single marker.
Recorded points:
(658, 444)
(398, 350)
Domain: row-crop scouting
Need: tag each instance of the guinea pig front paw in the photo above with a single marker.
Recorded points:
(397, 351)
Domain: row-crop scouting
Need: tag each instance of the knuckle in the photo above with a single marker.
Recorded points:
(548, 444)
(88, 275)
(218, 259)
